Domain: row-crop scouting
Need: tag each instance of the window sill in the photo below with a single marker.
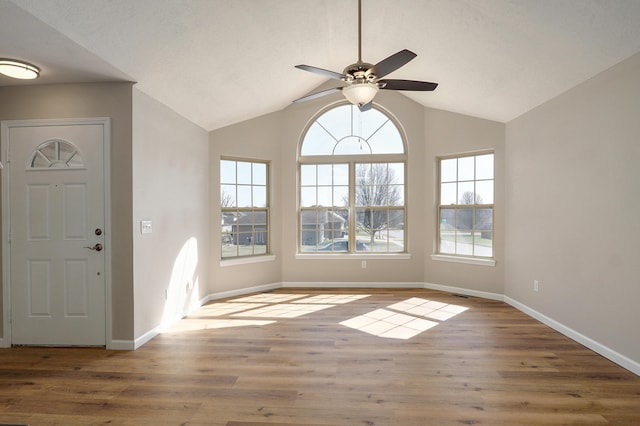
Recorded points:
(352, 256)
(468, 260)
(248, 259)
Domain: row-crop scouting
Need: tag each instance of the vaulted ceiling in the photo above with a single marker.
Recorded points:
(218, 62)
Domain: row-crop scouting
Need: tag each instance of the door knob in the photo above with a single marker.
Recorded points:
(97, 247)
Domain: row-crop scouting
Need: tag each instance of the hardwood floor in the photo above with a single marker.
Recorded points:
(487, 364)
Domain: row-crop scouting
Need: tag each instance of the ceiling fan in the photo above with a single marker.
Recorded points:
(363, 80)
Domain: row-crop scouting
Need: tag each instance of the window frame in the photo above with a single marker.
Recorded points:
(473, 207)
(352, 160)
(236, 211)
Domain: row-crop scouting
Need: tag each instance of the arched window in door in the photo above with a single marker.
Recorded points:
(56, 154)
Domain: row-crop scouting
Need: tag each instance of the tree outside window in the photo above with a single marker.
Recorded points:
(465, 210)
(352, 184)
(244, 208)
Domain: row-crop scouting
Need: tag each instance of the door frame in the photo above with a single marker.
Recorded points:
(5, 165)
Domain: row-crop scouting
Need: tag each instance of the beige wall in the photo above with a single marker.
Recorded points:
(93, 100)
(428, 133)
(258, 139)
(171, 189)
(449, 133)
(573, 205)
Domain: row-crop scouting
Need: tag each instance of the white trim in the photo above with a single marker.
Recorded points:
(239, 292)
(243, 260)
(365, 284)
(465, 291)
(597, 347)
(5, 125)
(353, 256)
(461, 259)
(124, 345)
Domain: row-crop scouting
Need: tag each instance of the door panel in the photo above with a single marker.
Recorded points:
(56, 185)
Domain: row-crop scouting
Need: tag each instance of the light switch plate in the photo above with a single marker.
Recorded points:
(146, 227)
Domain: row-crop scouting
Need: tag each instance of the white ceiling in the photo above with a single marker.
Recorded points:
(218, 62)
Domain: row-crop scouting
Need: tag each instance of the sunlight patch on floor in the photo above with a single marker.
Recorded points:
(395, 325)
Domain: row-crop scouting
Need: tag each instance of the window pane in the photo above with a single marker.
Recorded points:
(466, 169)
(325, 196)
(464, 243)
(466, 195)
(447, 231)
(464, 219)
(341, 174)
(259, 174)
(341, 196)
(244, 196)
(387, 140)
(484, 219)
(325, 174)
(396, 173)
(482, 244)
(484, 166)
(227, 195)
(449, 170)
(259, 196)
(484, 192)
(227, 171)
(448, 193)
(308, 197)
(244, 172)
(396, 195)
(308, 174)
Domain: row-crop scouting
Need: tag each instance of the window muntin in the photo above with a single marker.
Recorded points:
(352, 177)
(345, 130)
(56, 154)
(244, 203)
(465, 206)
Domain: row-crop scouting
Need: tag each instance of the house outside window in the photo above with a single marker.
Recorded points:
(244, 203)
(465, 205)
(352, 185)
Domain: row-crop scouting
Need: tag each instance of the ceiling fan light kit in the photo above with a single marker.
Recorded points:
(18, 69)
(364, 80)
(360, 94)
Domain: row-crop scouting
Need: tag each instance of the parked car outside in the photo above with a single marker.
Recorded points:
(343, 246)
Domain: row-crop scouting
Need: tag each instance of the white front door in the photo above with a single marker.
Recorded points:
(56, 173)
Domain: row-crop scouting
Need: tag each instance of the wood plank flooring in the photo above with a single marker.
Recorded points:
(487, 364)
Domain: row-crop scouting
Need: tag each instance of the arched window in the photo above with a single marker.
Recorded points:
(56, 154)
(352, 175)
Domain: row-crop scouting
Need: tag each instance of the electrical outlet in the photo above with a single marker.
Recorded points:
(536, 285)
(364, 264)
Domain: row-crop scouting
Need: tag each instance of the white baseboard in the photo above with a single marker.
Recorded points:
(366, 284)
(465, 291)
(239, 292)
(123, 345)
(597, 347)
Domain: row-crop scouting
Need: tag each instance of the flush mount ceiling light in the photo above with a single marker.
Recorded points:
(18, 69)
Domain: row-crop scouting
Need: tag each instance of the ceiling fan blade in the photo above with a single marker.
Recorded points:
(392, 63)
(326, 73)
(418, 86)
(318, 94)
(365, 107)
